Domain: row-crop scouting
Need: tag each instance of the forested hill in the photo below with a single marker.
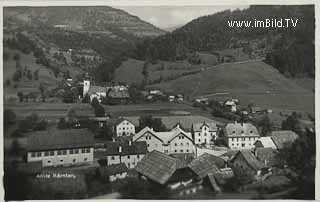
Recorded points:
(290, 50)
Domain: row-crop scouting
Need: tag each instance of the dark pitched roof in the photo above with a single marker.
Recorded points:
(59, 139)
(250, 159)
(240, 129)
(205, 164)
(266, 155)
(113, 169)
(283, 137)
(157, 166)
(112, 148)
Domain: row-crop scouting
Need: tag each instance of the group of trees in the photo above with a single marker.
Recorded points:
(99, 110)
(151, 122)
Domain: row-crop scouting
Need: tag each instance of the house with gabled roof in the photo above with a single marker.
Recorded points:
(205, 133)
(265, 142)
(127, 152)
(205, 164)
(283, 138)
(240, 135)
(245, 163)
(164, 170)
(175, 141)
(60, 147)
(113, 172)
(121, 127)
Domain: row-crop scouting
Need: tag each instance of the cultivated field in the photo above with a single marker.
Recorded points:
(250, 82)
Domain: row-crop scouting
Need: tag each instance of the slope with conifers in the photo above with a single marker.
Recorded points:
(290, 50)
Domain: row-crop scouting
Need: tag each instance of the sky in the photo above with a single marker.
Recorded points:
(171, 16)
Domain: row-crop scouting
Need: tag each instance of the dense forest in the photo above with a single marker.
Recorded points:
(290, 50)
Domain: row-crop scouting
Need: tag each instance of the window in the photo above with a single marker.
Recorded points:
(112, 157)
(51, 153)
(199, 134)
(148, 145)
(39, 154)
(71, 151)
(165, 151)
(46, 153)
(251, 131)
(242, 131)
(232, 139)
(33, 154)
(175, 144)
(128, 165)
(64, 152)
(181, 150)
(124, 128)
(187, 143)
(175, 151)
(138, 156)
(205, 134)
(76, 151)
(83, 150)
(85, 159)
(243, 145)
(199, 140)
(88, 150)
(181, 144)
(233, 132)
(146, 137)
(243, 139)
(128, 157)
(74, 160)
(61, 160)
(187, 150)
(49, 161)
(59, 152)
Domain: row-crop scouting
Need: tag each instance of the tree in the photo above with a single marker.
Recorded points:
(95, 102)
(9, 117)
(41, 125)
(20, 95)
(86, 98)
(265, 126)
(155, 123)
(16, 56)
(68, 96)
(62, 124)
(292, 123)
(99, 111)
(300, 157)
(8, 82)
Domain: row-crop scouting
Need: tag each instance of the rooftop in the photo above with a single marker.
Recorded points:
(113, 169)
(250, 159)
(112, 148)
(158, 166)
(267, 142)
(283, 137)
(205, 164)
(60, 139)
(240, 129)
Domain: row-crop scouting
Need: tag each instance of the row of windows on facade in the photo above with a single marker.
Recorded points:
(148, 137)
(242, 138)
(176, 151)
(241, 131)
(60, 152)
(113, 158)
(74, 160)
(131, 128)
(205, 134)
(175, 144)
(242, 145)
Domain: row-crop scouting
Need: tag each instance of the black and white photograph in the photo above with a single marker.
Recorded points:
(159, 102)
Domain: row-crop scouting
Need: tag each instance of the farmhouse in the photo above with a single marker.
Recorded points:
(171, 142)
(231, 105)
(240, 135)
(205, 164)
(205, 133)
(129, 153)
(113, 172)
(60, 147)
(164, 170)
(122, 127)
(246, 164)
(283, 138)
(266, 156)
(265, 142)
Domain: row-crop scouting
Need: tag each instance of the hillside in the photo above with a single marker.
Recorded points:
(290, 50)
(251, 82)
(93, 19)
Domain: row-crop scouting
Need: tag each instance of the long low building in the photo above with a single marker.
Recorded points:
(60, 147)
(176, 141)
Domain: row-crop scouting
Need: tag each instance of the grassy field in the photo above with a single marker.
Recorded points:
(250, 82)
(46, 76)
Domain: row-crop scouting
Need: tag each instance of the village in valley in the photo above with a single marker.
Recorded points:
(86, 139)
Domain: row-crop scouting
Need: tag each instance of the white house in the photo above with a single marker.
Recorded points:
(176, 141)
(93, 91)
(240, 135)
(204, 133)
(61, 147)
(231, 105)
(114, 172)
(122, 127)
(129, 153)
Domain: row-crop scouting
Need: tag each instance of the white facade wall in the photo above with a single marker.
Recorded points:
(204, 136)
(86, 86)
(51, 158)
(181, 144)
(130, 160)
(153, 143)
(241, 142)
(125, 128)
(117, 176)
